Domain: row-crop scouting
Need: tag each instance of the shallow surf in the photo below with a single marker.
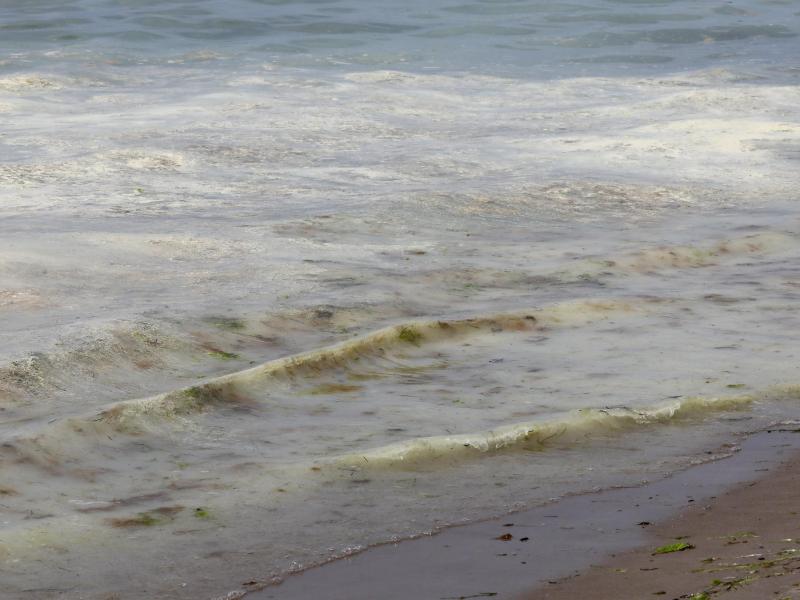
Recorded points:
(283, 280)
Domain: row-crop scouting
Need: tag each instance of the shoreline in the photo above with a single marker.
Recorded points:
(745, 545)
(525, 554)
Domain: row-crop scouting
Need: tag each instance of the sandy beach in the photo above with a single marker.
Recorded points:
(733, 510)
(743, 545)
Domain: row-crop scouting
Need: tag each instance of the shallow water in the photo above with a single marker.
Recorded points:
(280, 280)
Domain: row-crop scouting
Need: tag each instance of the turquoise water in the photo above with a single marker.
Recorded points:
(517, 37)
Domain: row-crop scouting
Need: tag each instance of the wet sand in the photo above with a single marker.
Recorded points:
(598, 545)
(743, 545)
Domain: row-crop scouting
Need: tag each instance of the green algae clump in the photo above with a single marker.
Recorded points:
(201, 513)
(158, 516)
(222, 355)
(676, 547)
(409, 335)
(193, 399)
(229, 323)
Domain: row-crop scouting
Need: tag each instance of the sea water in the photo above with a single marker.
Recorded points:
(280, 280)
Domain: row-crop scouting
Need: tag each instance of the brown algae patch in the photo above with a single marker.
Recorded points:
(333, 388)
(159, 516)
(686, 257)
(217, 352)
(365, 376)
(34, 452)
(227, 323)
(222, 355)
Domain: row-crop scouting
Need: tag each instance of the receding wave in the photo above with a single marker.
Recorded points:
(536, 435)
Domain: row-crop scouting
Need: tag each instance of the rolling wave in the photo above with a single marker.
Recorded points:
(571, 429)
(245, 386)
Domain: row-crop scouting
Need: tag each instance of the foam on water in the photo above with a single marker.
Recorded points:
(280, 280)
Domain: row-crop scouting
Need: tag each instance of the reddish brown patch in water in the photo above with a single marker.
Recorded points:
(197, 484)
(158, 516)
(36, 456)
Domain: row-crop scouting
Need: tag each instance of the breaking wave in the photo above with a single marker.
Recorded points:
(536, 435)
